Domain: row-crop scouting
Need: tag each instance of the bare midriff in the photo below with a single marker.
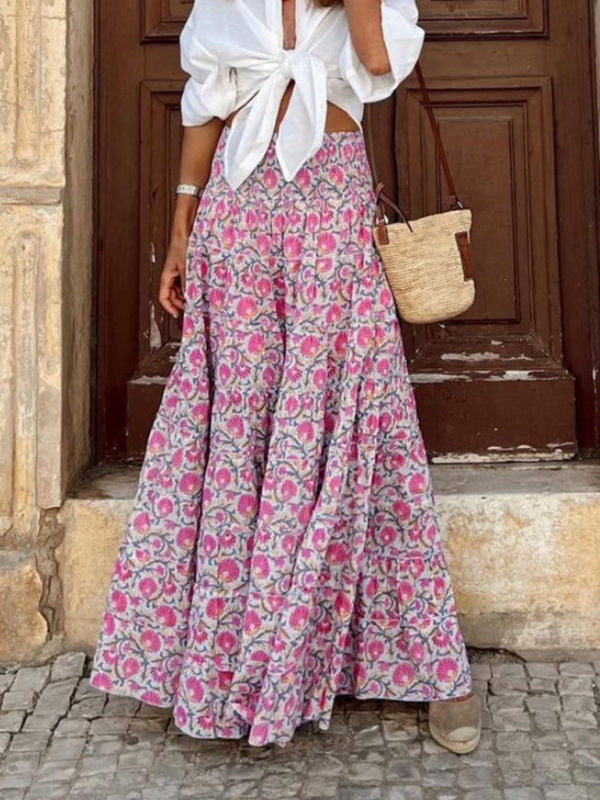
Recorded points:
(336, 118)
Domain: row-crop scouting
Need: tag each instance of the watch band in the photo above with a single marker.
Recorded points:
(189, 188)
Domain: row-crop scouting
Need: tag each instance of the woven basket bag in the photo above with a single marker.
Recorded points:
(427, 261)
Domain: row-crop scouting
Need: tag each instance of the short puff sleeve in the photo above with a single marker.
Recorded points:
(211, 90)
(403, 40)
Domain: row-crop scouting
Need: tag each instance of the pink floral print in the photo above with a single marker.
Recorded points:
(283, 547)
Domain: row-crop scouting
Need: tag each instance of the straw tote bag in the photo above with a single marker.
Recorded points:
(427, 261)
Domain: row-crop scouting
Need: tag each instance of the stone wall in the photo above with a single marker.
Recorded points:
(45, 278)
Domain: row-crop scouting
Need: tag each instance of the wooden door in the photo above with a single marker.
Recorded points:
(516, 376)
(512, 82)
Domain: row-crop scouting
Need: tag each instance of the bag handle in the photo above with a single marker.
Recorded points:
(441, 151)
(381, 218)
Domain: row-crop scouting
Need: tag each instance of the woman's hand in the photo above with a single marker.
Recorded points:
(172, 280)
(197, 150)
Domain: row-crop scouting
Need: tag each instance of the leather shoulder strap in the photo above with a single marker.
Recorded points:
(437, 136)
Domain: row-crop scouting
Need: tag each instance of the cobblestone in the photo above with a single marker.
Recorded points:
(504, 702)
(510, 719)
(541, 669)
(31, 679)
(510, 684)
(11, 721)
(515, 762)
(68, 665)
(41, 722)
(523, 793)
(550, 740)
(546, 720)
(544, 702)
(578, 719)
(6, 681)
(573, 702)
(316, 786)
(583, 738)
(566, 793)
(16, 701)
(576, 668)
(62, 740)
(546, 685)
(588, 775)
(587, 758)
(4, 742)
(576, 685)
(404, 793)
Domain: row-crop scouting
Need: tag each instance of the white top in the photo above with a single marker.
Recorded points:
(233, 51)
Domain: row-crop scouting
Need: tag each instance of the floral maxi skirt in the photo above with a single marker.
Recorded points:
(283, 547)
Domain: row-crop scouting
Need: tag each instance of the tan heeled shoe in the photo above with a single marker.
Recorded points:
(456, 723)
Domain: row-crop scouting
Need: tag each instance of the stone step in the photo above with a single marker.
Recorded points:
(521, 544)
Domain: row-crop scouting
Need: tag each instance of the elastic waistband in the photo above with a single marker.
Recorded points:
(341, 161)
(333, 134)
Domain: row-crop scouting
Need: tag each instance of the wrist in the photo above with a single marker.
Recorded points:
(179, 237)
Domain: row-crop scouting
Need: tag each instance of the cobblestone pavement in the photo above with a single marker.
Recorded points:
(59, 738)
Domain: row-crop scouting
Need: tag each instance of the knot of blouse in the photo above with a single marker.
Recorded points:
(234, 54)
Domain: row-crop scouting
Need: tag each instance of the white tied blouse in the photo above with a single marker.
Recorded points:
(233, 51)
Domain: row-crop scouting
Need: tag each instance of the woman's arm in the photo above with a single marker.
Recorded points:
(197, 151)
(364, 22)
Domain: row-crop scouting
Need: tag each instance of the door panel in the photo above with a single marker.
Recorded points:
(162, 20)
(465, 18)
(514, 377)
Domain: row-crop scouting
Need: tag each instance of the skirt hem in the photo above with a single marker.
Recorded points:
(245, 729)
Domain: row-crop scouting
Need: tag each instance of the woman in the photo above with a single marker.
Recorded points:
(284, 546)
